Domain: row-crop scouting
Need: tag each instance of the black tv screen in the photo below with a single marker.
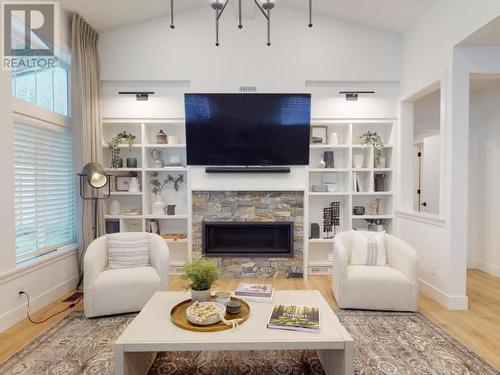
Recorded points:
(248, 129)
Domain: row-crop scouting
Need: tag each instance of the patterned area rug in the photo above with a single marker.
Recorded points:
(385, 343)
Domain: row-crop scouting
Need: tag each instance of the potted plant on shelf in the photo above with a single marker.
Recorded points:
(373, 139)
(201, 275)
(157, 188)
(376, 225)
(114, 147)
(158, 206)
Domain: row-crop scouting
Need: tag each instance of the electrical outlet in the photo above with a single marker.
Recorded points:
(20, 288)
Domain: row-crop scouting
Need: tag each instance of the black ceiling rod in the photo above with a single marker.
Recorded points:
(240, 25)
(310, 13)
(266, 11)
(172, 26)
(219, 9)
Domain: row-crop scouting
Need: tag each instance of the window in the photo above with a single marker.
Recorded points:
(43, 155)
(44, 188)
(47, 88)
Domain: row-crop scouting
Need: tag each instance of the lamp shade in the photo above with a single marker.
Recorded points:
(96, 177)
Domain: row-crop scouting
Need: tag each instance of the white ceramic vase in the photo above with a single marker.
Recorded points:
(133, 185)
(334, 139)
(114, 207)
(158, 206)
(358, 160)
(321, 164)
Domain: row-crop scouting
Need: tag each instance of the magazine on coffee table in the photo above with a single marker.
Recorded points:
(295, 318)
(255, 292)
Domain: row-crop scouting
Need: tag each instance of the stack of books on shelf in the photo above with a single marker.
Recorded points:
(255, 292)
(295, 318)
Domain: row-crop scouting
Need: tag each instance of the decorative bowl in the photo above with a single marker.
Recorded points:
(207, 321)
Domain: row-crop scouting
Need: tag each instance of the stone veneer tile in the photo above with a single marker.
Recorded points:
(244, 206)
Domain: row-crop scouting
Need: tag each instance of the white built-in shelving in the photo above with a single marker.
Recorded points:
(343, 173)
(316, 251)
(145, 131)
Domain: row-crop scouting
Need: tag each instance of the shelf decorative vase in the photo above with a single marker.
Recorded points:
(157, 157)
(134, 186)
(131, 162)
(380, 182)
(380, 162)
(358, 160)
(114, 207)
(170, 209)
(158, 206)
(334, 139)
(321, 164)
(328, 158)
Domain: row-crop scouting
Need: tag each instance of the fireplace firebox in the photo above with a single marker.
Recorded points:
(247, 239)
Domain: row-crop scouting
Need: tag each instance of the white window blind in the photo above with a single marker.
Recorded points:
(44, 188)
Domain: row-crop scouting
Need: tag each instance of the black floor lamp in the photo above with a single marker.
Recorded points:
(94, 176)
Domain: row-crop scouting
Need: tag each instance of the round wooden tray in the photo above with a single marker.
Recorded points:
(178, 317)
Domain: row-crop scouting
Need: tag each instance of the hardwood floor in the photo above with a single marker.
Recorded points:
(478, 328)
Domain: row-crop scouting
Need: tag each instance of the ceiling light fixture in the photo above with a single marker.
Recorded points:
(265, 6)
(353, 95)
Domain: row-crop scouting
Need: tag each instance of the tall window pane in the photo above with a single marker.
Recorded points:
(44, 188)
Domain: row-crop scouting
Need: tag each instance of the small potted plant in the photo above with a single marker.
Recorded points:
(201, 275)
(376, 225)
(114, 147)
(373, 139)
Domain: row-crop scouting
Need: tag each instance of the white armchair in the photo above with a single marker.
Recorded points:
(391, 287)
(118, 291)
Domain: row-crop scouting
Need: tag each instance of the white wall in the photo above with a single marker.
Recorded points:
(47, 279)
(427, 50)
(429, 54)
(331, 50)
(484, 181)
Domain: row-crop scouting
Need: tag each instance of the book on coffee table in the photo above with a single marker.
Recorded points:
(255, 292)
(295, 318)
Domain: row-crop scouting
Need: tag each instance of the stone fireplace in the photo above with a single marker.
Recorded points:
(251, 208)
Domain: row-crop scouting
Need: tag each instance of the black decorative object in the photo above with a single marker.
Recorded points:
(331, 219)
(314, 230)
(327, 221)
(329, 160)
(335, 216)
(131, 162)
(358, 210)
(380, 182)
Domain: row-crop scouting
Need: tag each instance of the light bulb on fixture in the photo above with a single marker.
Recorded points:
(267, 4)
(218, 4)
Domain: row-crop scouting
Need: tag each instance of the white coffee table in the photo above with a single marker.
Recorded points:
(152, 331)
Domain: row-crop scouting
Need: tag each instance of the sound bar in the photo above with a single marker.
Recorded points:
(247, 169)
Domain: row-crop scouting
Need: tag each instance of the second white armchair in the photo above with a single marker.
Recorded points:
(390, 287)
(124, 290)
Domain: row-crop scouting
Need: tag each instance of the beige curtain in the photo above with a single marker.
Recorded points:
(86, 115)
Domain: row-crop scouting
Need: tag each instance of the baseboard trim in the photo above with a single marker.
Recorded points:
(489, 268)
(448, 301)
(18, 313)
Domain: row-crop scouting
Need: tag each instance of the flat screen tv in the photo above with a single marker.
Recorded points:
(247, 129)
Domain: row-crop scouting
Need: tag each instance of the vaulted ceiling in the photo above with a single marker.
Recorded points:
(395, 16)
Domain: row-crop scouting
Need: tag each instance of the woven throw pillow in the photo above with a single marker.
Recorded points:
(368, 248)
(127, 250)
